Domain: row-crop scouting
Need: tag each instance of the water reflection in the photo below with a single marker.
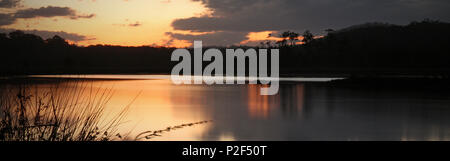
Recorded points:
(290, 101)
(258, 105)
(315, 111)
(300, 111)
(293, 99)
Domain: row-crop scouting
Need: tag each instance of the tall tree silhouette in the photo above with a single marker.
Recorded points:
(293, 38)
(57, 41)
(307, 37)
(284, 36)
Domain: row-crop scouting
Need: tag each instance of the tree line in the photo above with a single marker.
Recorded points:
(419, 48)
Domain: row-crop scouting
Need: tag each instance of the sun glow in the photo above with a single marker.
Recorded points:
(116, 22)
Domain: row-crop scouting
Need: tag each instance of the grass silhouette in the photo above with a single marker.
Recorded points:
(64, 113)
(57, 113)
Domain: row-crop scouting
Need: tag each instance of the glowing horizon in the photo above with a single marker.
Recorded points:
(114, 20)
(120, 22)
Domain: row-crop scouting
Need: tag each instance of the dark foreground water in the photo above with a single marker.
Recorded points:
(304, 109)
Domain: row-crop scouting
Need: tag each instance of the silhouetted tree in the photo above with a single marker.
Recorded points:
(269, 44)
(16, 34)
(22, 37)
(417, 48)
(285, 34)
(57, 41)
(262, 44)
(307, 37)
(293, 38)
(282, 43)
(284, 37)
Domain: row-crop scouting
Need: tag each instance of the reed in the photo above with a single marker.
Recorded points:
(57, 113)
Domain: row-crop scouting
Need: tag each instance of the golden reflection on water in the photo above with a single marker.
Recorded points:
(299, 111)
(155, 108)
(261, 106)
(258, 105)
(300, 96)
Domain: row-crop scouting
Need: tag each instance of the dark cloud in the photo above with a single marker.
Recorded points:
(315, 15)
(6, 19)
(261, 15)
(83, 16)
(48, 34)
(9, 3)
(50, 11)
(210, 39)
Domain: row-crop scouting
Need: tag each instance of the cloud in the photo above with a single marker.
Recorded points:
(6, 19)
(211, 39)
(88, 16)
(135, 24)
(48, 34)
(46, 12)
(9, 3)
(50, 11)
(316, 15)
(263, 15)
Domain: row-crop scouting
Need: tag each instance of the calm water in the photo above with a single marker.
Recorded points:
(304, 109)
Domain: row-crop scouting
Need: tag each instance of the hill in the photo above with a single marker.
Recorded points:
(372, 49)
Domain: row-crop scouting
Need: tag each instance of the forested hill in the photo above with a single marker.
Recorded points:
(419, 48)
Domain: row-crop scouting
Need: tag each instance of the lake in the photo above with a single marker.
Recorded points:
(304, 109)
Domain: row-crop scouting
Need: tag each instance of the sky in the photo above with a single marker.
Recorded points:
(216, 22)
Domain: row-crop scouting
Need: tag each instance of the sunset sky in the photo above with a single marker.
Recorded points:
(216, 22)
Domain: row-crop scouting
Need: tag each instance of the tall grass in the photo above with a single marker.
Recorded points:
(57, 113)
